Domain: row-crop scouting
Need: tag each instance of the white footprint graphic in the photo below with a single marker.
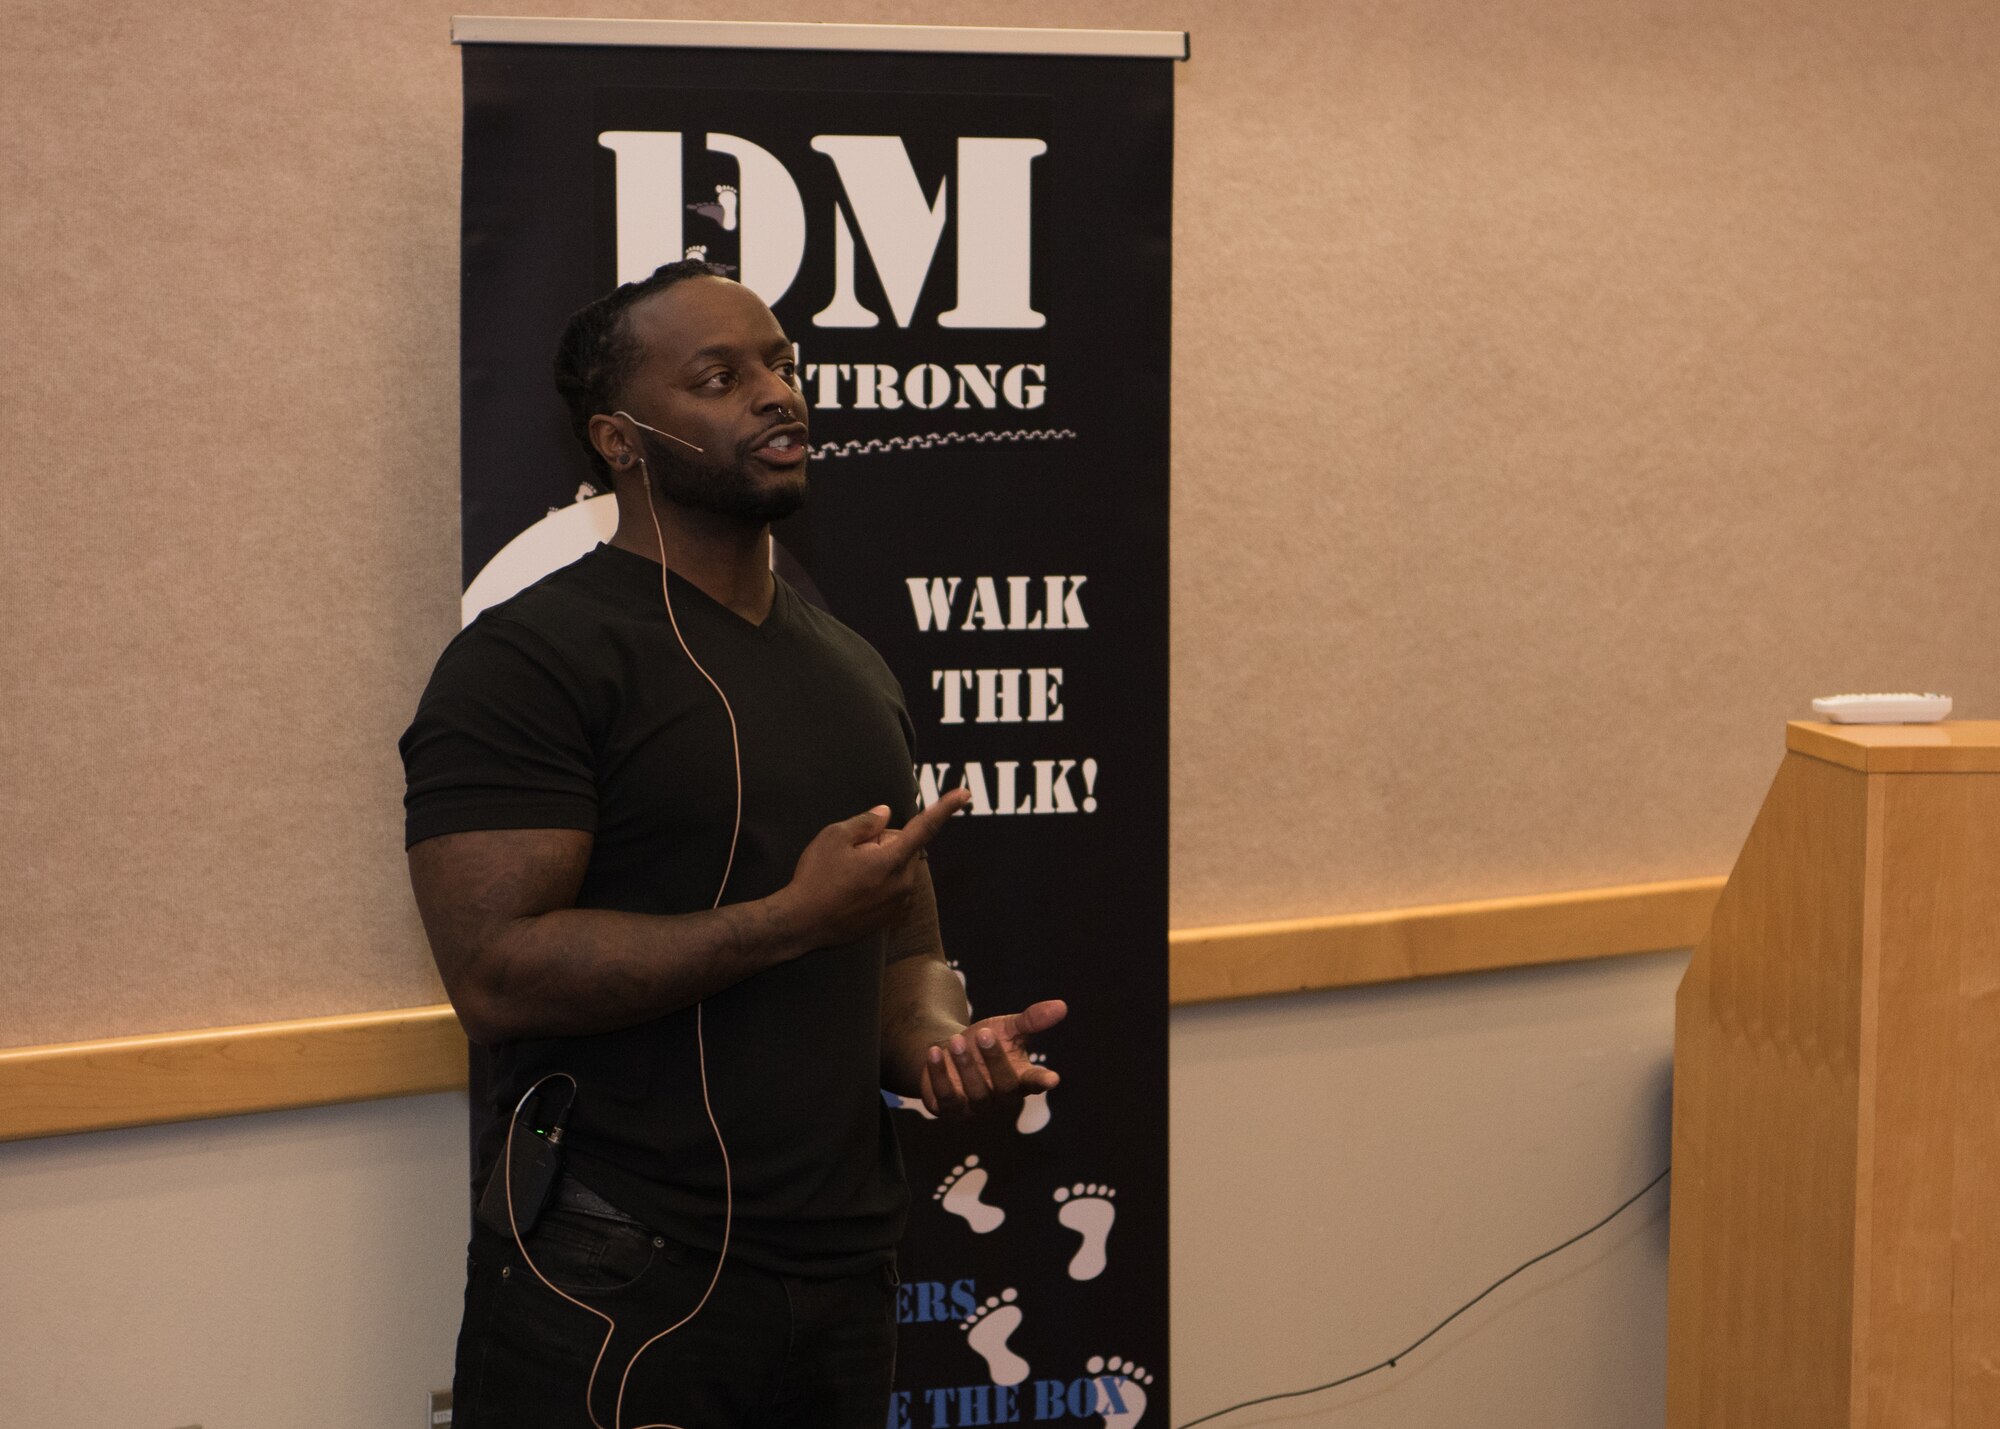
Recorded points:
(1034, 1107)
(960, 1195)
(987, 1333)
(1088, 1211)
(1121, 1390)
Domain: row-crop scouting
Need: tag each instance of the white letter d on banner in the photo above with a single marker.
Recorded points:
(773, 221)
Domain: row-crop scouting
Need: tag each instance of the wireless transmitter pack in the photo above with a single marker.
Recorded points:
(528, 1168)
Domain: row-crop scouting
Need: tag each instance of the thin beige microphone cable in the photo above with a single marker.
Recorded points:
(701, 1046)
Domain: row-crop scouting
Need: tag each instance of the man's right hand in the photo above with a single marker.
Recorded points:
(858, 875)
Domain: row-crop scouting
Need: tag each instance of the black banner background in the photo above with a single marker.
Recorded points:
(1035, 1268)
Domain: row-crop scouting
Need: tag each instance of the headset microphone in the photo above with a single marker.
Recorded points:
(656, 431)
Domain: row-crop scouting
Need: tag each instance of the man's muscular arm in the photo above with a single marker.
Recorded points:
(518, 960)
(928, 1049)
(923, 1002)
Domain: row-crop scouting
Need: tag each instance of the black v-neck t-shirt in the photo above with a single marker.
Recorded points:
(573, 706)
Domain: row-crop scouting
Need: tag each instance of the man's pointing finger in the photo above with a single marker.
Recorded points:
(924, 827)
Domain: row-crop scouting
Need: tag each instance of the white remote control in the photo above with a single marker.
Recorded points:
(1883, 709)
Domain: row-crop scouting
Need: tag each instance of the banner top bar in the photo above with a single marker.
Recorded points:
(775, 35)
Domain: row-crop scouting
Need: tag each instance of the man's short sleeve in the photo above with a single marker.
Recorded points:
(500, 740)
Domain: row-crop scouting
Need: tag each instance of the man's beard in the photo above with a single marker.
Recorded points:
(692, 480)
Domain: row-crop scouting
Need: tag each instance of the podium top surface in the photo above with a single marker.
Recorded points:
(1969, 746)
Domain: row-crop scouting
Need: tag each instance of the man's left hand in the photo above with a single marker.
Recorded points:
(986, 1066)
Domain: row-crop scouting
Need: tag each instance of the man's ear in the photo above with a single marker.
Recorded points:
(613, 443)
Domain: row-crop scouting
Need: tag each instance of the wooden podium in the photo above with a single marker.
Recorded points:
(1835, 1233)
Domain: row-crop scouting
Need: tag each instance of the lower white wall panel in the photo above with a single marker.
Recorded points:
(1348, 1167)
(296, 1268)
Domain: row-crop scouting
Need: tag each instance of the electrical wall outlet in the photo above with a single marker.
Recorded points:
(440, 1409)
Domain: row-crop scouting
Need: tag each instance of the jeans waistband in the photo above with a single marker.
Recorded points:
(576, 1196)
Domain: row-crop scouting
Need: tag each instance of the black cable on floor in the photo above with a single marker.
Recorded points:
(1390, 1363)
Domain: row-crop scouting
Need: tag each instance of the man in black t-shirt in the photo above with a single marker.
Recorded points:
(664, 835)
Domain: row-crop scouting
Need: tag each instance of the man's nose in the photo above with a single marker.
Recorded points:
(777, 394)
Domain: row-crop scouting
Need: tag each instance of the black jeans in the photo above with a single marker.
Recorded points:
(767, 1351)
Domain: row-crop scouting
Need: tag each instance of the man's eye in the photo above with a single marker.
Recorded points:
(789, 371)
(719, 379)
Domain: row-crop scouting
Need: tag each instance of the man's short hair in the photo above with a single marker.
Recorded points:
(598, 354)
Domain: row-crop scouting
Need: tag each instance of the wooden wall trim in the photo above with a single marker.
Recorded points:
(222, 1071)
(1308, 954)
(314, 1061)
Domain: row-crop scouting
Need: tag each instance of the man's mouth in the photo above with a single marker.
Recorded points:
(784, 445)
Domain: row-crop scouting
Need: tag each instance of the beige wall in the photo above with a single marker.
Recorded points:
(1347, 1169)
(1563, 394)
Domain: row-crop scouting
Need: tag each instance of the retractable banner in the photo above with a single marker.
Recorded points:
(971, 253)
